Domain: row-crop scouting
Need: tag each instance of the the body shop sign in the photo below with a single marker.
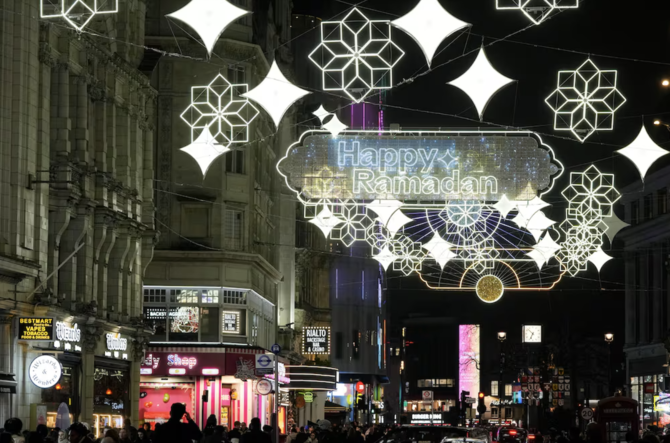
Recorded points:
(183, 363)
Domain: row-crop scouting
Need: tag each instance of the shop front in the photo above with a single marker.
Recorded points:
(647, 390)
(218, 381)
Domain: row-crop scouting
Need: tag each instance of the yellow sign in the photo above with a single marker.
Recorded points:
(36, 328)
(662, 403)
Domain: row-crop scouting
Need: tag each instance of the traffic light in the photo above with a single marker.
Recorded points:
(481, 407)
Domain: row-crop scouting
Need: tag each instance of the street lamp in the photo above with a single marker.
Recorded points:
(502, 336)
(662, 123)
(666, 82)
(609, 337)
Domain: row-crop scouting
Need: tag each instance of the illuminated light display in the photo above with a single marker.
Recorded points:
(643, 152)
(321, 113)
(591, 197)
(77, 13)
(544, 251)
(490, 289)
(429, 24)
(334, 126)
(481, 82)
(276, 94)
(205, 150)
(356, 55)
(536, 11)
(612, 225)
(208, 18)
(454, 238)
(585, 100)
(468, 358)
(599, 258)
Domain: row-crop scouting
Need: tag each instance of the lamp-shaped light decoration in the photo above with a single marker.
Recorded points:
(643, 152)
(429, 24)
(502, 336)
(58, 387)
(609, 337)
(108, 391)
(209, 18)
(276, 94)
(481, 82)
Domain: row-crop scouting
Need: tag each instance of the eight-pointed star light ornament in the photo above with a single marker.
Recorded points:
(209, 18)
(585, 100)
(356, 55)
(537, 10)
(276, 94)
(77, 13)
(481, 82)
(643, 152)
(429, 24)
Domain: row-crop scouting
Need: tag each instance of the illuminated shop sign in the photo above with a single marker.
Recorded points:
(66, 333)
(45, 371)
(231, 322)
(316, 340)
(116, 343)
(36, 328)
(176, 360)
(172, 363)
(442, 165)
(426, 419)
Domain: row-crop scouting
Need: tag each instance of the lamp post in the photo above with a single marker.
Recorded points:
(609, 338)
(502, 336)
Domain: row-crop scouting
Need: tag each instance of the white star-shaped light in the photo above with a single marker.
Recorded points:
(384, 209)
(205, 150)
(505, 206)
(544, 251)
(209, 18)
(528, 208)
(385, 257)
(481, 82)
(643, 152)
(326, 221)
(429, 24)
(612, 225)
(321, 113)
(599, 258)
(335, 126)
(276, 94)
(538, 224)
(440, 250)
(396, 222)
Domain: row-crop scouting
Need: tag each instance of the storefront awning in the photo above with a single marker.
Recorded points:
(334, 407)
(7, 384)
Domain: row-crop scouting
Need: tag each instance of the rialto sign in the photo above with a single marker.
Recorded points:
(415, 165)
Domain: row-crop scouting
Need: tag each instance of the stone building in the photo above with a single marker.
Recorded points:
(647, 253)
(77, 227)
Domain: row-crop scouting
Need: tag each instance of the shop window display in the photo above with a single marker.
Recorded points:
(65, 391)
(184, 323)
(110, 398)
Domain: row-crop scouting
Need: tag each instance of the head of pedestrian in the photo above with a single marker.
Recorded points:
(177, 411)
(255, 424)
(77, 432)
(236, 425)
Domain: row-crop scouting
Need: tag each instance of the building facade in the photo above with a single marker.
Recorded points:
(647, 252)
(77, 122)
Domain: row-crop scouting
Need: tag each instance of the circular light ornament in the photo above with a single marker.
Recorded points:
(490, 289)
(45, 371)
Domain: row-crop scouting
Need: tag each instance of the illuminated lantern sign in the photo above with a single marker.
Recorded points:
(404, 166)
(316, 340)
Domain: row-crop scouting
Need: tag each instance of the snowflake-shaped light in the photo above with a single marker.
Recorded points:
(354, 227)
(469, 220)
(77, 13)
(585, 100)
(409, 255)
(220, 108)
(482, 256)
(537, 10)
(591, 194)
(356, 55)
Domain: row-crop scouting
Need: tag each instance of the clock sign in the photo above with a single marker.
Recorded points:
(531, 334)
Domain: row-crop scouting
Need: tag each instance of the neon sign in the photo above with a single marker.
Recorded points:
(175, 360)
(67, 333)
(116, 343)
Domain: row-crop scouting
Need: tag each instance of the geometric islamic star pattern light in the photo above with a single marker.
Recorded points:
(356, 55)
(429, 24)
(537, 10)
(643, 152)
(220, 108)
(77, 13)
(481, 82)
(276, 94)
(208, 18)
(585, 100)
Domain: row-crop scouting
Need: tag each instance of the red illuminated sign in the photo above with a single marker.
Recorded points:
(180, 363)
(360, 387)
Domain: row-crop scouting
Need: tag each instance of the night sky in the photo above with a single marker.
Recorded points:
(618, 29)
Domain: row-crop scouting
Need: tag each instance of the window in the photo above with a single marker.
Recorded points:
(184, 296)
(634, 212)
(494, 412)
(184, 323)
(233, 229)
(195, 221)
(236, 74)
(508, 412)
(235, 161)
(508, 390)
(209, 326)
(421, 383)
(210, 296)
(662, 198)
(648, 207)
(155, 295)
(494, 388)
(397, 351)
(338, 345)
